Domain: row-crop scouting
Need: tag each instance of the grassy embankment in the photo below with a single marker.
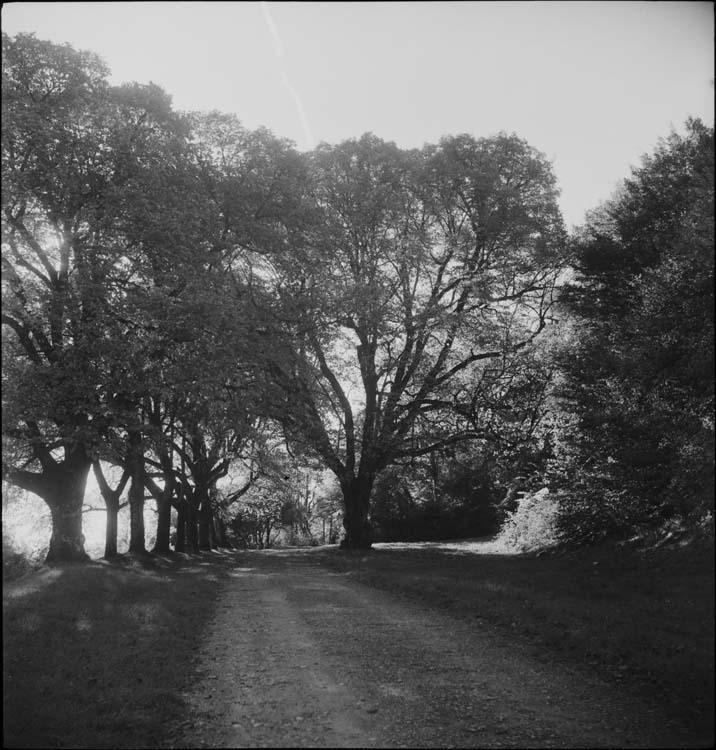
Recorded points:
(99, 655)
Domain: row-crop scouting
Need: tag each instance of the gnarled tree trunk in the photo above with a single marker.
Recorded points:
(65, 499)
(62, 486)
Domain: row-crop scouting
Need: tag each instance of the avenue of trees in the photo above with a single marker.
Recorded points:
(183, 296)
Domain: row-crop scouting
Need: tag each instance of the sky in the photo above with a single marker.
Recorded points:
(593, 85)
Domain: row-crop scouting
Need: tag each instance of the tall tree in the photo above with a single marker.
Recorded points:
(425, 272)
(52, 165)
(640, 368)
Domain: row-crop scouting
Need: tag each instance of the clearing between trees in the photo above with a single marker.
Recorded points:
(405, 646)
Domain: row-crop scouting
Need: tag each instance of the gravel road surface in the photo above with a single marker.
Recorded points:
(299, 656)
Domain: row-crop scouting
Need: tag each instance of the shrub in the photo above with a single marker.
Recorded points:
(533, 525)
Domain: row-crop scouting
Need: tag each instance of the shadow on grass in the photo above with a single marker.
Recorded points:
(99, 655)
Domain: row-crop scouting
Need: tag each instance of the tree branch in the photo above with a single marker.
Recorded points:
(26, 480)
(24, 338)
(36, 248)
(345, 403)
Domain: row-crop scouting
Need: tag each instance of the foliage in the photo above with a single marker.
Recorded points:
(433, 499)
(255, 522)
(26, 529)
(464, 490)
(533, 526)
(639, 369)
(287, 503)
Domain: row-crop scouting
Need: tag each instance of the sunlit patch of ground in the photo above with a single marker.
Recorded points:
(491, 545)
(31, 584)
(480, 546)
(241, 572)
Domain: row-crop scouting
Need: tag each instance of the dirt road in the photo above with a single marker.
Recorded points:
(299, 656)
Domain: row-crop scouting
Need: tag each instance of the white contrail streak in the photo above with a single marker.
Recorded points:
(307, 134)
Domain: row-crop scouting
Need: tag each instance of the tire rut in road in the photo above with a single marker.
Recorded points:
(263, 682)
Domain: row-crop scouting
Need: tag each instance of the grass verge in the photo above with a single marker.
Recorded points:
(97, 655)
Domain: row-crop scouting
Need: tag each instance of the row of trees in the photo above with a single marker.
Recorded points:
(182, 295)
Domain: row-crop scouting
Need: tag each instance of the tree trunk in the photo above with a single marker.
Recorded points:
(62, 487)
(163, 498)
(191, 527)
(67, 540)
(220, 532)
(111, 501)
(164, 522)
(136, 495)
(110, 534)
(204, 525)
(356, 506)
(180, 545)
(204, 517)
(136, 517)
